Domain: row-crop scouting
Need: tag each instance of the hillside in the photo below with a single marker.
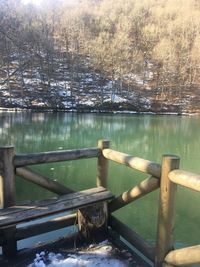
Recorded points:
(101, 56)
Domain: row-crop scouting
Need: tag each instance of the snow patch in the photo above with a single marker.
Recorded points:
(96, 256)
(116, 99)
(31, 81)
(62, 84)
(64, 93)
(87, 103)
(67, 104)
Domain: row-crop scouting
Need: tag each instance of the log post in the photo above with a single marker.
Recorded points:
(7, 196)
(164, 242)
(102, 165)
(92, 222)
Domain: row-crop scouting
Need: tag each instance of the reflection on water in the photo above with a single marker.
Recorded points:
(145, 136)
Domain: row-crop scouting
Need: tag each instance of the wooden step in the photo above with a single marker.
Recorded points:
(17, 214)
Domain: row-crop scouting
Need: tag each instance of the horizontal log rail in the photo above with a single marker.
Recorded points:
(42, 181)
(21, 160)
(184, 178)
(136, 163)
(132, 237)
(183, 256)
(43, 227)
(147, 186)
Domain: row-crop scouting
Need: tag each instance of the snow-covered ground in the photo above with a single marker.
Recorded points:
(101, 255)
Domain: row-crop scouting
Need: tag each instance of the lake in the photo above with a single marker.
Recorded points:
(146, 136)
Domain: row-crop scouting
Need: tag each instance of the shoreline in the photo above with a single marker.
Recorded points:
(97, 111)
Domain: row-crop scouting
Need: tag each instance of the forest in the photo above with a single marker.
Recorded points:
(139, 55)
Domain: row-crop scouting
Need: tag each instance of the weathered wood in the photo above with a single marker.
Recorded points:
(23, 232)
(17, 214)
(9, 244)
(54, 156)
(92, 222)
(7, 177)
(139, 164)
(132, 237)
(7, 197)
(102, 164)
(164, 242)
(43, 181)
(45, 227)
(187, 179)
(184, 256)
(148, 185)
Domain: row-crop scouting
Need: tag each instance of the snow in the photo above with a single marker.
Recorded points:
(95, 256)
(87, 102)
(31, 80)
(88, 80)
(62, 84)
(6, 94)
(67, 104)
(64, 93)
(38, 103)
(116, 99)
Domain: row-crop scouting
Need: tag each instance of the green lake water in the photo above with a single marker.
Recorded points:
(145, 136)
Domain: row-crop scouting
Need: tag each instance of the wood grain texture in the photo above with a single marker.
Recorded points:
(147, 186)
(7, 177)
(21, 160)
(187, 179)
(102, 164)
(184, 256)
(136, 163)
(166, 213)
(7, 197)
(16, 214)
(43, 181)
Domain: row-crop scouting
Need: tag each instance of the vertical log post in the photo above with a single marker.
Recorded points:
(166, 213)
(92, 223)
(7, 196)
(102, 165)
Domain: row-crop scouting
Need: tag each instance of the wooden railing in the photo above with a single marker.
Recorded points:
(189, 255)
(165, 175)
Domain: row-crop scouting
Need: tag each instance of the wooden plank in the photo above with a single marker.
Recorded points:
(64, 203)
(54, 156)
(132, 237)
(136, 163)
(47, 202)
(102, 164)
(166, 213)
(187, 179)
(43, 227)
(43, 181)
(184, 256)
(148, 185)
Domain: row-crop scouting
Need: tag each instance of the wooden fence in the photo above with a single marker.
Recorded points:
(165, 176)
